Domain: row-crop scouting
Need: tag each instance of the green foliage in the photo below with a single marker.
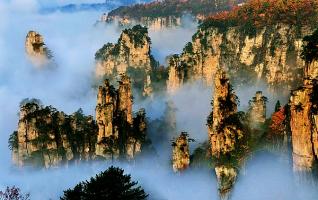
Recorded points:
(51, 126)
(188, 48)
(31, 101)
(138, 35)
(201, 156)
(310, 47)
(13, 141)
(106, 50)
(277, 106)
(108, 185)
(138, 76)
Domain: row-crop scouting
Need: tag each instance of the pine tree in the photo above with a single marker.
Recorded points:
(108, 185)
(277, 106)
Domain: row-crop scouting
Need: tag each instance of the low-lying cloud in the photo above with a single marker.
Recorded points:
(74, 40)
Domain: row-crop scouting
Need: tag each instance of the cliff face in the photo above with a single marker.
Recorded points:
(130, 55)
(181, 153)
(227, 138)
(271, 54)
(153, 24)
(36, 49)
(119, 133)
(164, 14)
(257, 108)
(304, 111)
(304, 126)
(48, 138)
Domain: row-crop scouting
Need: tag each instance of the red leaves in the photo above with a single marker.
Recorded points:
(267, 12)
(277, 125)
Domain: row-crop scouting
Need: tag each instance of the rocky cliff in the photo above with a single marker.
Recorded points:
(131, 55)
(119, 133)
(257, 108)
(181, 153)
(48, 138)
(228, 140)
(273, 55)
(304, 121)
(251, 42)
(304, 111)
(166, 14)
(36, 49)
(153, 24)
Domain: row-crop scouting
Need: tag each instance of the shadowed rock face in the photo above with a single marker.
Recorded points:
(131, 55)
(227, 137)
(48, 138)
(119, 133)
(257, 108)
(36, 49)
(180, 153)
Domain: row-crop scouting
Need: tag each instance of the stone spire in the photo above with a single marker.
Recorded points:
(224, 105)
(119, 133)
(257, 109)
(125, 98)
(226, 134)
(304, 111)
(175, 76)
(36, 49)
(304, 125)
(180, 153)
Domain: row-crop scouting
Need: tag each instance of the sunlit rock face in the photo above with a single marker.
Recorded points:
(180, 153)
(273, 54)
(36, 49)
(227, 137)
(119, 133)
(304, 111)
(48, 138)
(152, 23)
(131, 55)
(257, 108)
(304, 125)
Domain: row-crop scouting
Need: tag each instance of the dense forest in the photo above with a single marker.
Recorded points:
(174, 8)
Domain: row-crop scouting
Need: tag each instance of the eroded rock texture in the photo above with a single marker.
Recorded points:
(304, 111)
(181, 153)
(227, 137)
(131, 55)
(272, 54)
(48, 138)
(119, 133)
(153, 24)
(257, 109)
(304, 125)
(36, 49)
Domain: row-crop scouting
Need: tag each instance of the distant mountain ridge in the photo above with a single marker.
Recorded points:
(108, 5)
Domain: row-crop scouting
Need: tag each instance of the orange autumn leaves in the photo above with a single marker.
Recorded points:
(267, 12)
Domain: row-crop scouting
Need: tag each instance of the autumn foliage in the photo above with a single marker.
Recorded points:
(277, 125)
(259, 13)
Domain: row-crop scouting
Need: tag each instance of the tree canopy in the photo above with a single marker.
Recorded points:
(108, 185)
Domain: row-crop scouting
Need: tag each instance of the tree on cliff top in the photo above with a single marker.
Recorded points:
(310, 47)
(108, 185)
